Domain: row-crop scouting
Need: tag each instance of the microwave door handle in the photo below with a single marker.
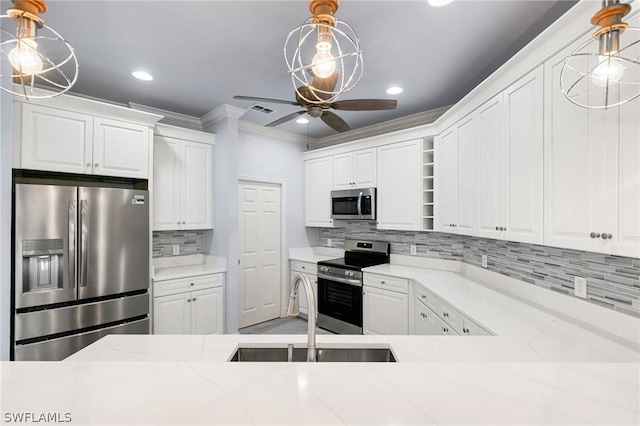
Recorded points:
(360, 204)
(82, 247)
(72, 243)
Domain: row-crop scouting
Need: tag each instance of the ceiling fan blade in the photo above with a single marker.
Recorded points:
(335, 122)
(275, 101)
(365, 104)
(286, 118)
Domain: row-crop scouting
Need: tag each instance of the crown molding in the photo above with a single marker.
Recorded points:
(170, 117)
(220, 113)
(258, 129)
(391, 126)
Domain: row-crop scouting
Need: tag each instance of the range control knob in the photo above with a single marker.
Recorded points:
(349, 273)
(324, 268)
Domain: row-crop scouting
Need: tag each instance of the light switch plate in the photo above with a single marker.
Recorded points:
(329, 242)
(176, 249)
(580, 287)
(484, 260)
(414, 250)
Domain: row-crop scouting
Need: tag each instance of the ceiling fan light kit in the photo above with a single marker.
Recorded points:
(604, 71)
(38, 54)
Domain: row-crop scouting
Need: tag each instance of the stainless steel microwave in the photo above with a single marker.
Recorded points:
(354, 204)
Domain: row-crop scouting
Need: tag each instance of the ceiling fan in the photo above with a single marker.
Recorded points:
(319, 90)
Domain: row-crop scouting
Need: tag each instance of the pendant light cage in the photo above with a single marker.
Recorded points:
(300, 48)
(604, 71)
(57, 64)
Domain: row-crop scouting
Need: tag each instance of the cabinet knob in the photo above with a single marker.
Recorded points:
(383, 282)
(191, 283)
(423, 296)
(178, 222)
(445, 314)
(445, 329)
(184, 223)
(497, 228)
(465, 330)
(502, 228)
(607, 236)
(188, 300)
(194, 299)
(88, 164)
(96, 165)
(594, 235)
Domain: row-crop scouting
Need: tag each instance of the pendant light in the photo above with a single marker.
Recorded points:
(604, 71)
(37, 54)
(323, 55)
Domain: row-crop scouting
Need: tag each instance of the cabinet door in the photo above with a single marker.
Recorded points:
(426, 322)
(364, 168)
(384, 312)
(55, 140)
(172, 314)
(343, 171)
(318, 187)
(467, 180)
(400, 186)
(491, 164)
(523, 162)
(447, 166)
(196, 185)
(166, 184)
(207, 311)
(120, 149)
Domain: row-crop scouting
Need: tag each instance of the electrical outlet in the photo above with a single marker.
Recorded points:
(176, 250)
(414, 250)
(580, 287)
(484, 260)
(329, 242)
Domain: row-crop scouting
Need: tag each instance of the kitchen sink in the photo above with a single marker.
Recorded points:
(280, 354)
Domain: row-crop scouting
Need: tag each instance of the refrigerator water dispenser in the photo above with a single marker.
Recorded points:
(42, 265)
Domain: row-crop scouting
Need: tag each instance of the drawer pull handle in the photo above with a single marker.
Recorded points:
(423, 296)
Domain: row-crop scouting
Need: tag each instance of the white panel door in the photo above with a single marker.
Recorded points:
(318, 180)
(400, 186)
(166, 183)
(196, 185)
(172, 314)
(343, 171)
(467, 178)
(384, 312)
(490, 169)
(207, 311)
(523, 162)
(447, 148)
(260, 260)
(120, 148)
(56, 140)
(364, 168)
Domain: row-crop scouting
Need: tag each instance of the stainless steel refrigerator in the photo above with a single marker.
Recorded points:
(81, 267)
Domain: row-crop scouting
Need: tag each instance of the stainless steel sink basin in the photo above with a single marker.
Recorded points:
(280, 354)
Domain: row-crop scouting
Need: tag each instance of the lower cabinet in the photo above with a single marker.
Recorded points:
(189, 305)
(385, 305)
(427, 323)
(308, 269)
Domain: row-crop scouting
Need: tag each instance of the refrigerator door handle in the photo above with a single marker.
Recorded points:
(82, 247)
(72, 243)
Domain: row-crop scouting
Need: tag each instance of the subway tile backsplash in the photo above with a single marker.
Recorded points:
(190, 242)
(612, 281)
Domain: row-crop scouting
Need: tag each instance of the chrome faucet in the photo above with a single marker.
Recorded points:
(292, 311)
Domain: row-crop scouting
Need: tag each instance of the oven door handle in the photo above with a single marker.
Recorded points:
(356, 283)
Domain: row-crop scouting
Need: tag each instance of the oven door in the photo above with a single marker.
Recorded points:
(340, 305)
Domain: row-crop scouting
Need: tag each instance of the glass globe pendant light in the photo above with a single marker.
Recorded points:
(323, 55)
(604, 71)
(37, 54)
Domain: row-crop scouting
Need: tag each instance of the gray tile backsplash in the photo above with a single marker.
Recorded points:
(190, 242)
(612, 281)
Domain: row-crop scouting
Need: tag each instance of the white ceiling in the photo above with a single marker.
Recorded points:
(202, 53)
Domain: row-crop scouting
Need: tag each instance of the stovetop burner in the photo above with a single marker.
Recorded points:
(355, 264)
(360, 254)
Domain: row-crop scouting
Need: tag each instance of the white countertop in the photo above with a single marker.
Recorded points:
(167, 268)
(315, 254)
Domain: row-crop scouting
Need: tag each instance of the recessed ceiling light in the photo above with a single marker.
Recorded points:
(141, 75)
(439, 3)
(395, 90)
(302, 120)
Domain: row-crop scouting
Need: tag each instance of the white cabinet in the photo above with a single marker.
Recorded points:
(510, 163)
(310, 270)
(385, 305)
(193, 305)
(182, 184)
(591, 179)
(318, 179)
(355, 169)
(399, 171)
(61, 140)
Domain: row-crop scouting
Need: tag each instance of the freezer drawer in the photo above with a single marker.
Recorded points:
(31, 325)
(58, 349)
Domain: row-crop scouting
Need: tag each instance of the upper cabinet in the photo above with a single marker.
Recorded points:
(355, 169)
(318, 180)
(592, 183)
(65, 135)
(182, 183)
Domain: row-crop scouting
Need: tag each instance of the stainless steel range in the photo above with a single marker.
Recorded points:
(340, 285)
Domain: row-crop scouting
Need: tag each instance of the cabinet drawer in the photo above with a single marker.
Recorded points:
(428, 299)
(386, 282)
(448, 314)
(470, 328)
(180, 285)
(305, 267)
